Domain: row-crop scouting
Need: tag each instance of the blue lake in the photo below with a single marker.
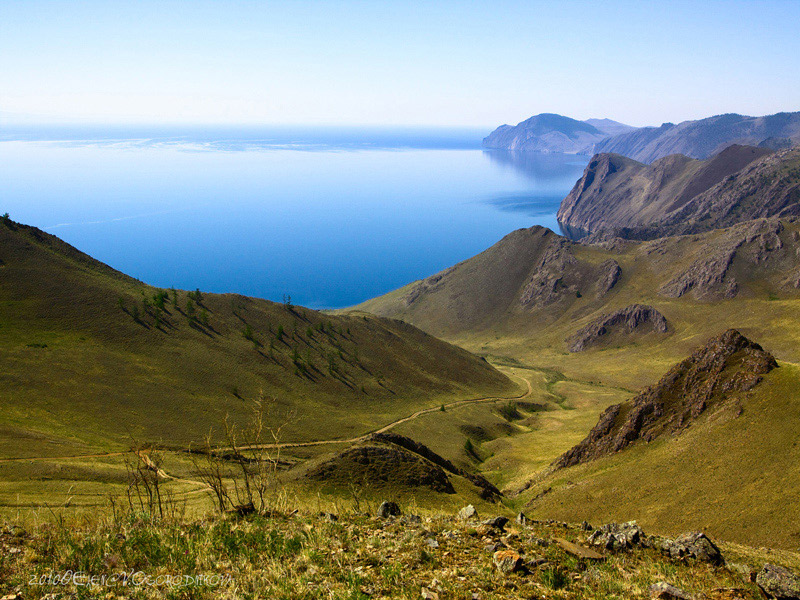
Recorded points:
(331, 217)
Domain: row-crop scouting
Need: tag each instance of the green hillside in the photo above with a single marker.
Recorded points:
(93, 359)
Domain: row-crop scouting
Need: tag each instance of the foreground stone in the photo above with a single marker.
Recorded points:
(389, 509)
(497, 523)
(779, 583)
(614, 536)
(507, 561)
(666, 591)
(468, 512)
(695, 545)
(579, 551)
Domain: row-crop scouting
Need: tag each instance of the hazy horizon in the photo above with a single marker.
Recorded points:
(350, 63)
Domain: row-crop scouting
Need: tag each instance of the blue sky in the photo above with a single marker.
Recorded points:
(405, 62)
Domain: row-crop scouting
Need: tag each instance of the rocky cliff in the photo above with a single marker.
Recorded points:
(677, 195)
(727, 364)
(704, 137)
(636, 319)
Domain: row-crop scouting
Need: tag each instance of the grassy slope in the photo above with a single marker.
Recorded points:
(356, 557)
(488, 286)
(81, 374)
(735, 476)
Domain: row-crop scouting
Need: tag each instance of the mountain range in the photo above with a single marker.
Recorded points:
(697, 139)
(549, 132)
(679, 195)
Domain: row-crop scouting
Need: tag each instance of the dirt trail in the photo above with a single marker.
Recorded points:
(352, 440)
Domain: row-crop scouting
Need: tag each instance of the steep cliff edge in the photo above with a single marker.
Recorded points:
(677, 195)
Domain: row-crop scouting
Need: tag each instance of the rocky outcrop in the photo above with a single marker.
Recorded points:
(607, 276)
(704, 137)
(778, 582)
(634, 319)
(549, 132)
(640, 201)
(757, 244)
(727, 364)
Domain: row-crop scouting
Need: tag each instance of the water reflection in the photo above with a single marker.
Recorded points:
(552, 175)
(557, 170)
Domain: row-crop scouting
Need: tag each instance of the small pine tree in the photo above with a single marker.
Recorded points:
(121, 302)
(279, 335)
(6, 219)
(204, 318)
(135, 312)
(174, 297)
(248, 333)
(190, 309)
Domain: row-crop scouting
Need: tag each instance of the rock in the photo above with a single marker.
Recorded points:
(497, 523)
(429, 594)
(778, 582)
(495, 547)
(468, 512)
(507, 561)
(585, 526)
(614, 536)
(696, 545)
(666, 591)
(389, 509)
(522, 519)
(579, 551)
(633, 319)
(431, 543)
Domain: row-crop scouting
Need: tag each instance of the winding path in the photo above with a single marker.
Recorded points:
(352, 440)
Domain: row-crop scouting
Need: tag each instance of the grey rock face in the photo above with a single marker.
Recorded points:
(615, 536)
(468, 512)
(636, 318)
(696, 545)
(778, 582)
(666, 591)
(497, 523)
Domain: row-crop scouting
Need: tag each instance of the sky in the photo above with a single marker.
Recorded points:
(395, 62)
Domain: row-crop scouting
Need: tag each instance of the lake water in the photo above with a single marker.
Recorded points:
(331, 217)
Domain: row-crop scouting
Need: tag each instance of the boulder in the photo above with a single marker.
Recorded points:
(696, 545)
(778, 582)
(615, 536)
(522, 519)
(507, 561)
(389, 509)
(497, 523)
(666, 591)
(468, 512)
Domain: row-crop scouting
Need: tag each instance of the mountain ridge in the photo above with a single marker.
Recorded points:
(552, 133)
(702, 138)
(678, 195)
